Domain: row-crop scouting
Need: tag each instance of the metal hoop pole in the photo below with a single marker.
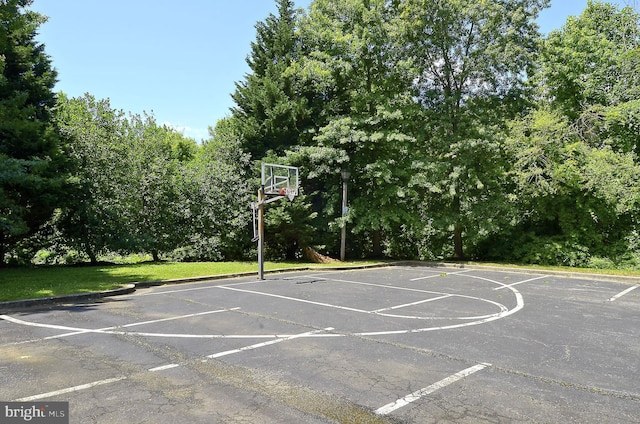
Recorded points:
(261, 233)
(343, 232)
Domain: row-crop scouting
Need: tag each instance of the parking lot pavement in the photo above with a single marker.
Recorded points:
(399, 344)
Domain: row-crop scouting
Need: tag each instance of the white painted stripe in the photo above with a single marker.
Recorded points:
(295, 299)
(386, 286)
(198, 314)
(70, 389)
(507, 286)
(622, 293)
(259, 345)
(412, 303)
(164, 367)
(384, 410)
(440, 275)
(481, 320)
(106, 330)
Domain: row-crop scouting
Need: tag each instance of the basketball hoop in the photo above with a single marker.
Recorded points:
(278, 181)
(290, 193)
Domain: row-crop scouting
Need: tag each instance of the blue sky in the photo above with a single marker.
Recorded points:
(177, 59)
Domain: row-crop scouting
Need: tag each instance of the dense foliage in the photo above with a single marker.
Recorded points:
(467, 133)
(31, 161)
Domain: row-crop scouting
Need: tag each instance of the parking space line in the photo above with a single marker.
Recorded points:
(440, 275)
(386, 409)
(166, 367)
(259, 345)
(391, 308)
(622, 293)
(506, 286)
(294, 299)
(70, 389)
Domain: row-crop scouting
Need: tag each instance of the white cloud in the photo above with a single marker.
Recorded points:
(198, 134)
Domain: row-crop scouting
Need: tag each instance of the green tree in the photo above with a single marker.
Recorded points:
(575, 155)
(270, 115)
(130, 181)
(471, 62)
(219, 193)
(575, 200)
(592, 59)
(591, 73)
(309, 222)
(91, 219)
(351, 62)
(156, 214)
(32, 176)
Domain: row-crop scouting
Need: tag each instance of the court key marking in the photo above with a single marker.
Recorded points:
(504, 312)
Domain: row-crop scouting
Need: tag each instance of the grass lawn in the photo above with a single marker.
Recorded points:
(32, 283)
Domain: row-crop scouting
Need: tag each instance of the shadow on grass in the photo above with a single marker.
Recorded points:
(87, 305)
(49, 281)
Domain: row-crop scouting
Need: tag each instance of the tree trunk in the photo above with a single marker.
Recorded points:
(155, 255)
(92, 256)
(315, 257)
(458, 249)
(376, 238)
(88, 249)
(2, 250)
(290, 252)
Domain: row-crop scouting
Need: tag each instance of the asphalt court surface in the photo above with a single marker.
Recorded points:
(402, 344)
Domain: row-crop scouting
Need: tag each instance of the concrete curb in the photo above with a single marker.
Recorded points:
(21, 305)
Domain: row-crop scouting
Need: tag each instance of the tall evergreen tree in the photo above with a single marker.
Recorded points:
(30, 156)
(269, 114)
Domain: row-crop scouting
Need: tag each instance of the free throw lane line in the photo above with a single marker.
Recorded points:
(384, 410)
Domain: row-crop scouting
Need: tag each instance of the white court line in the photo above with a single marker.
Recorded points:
(259, 345)
(412, 303)
(164, 367)
(70, 389)
(384, 410)
(295, 299)
(376, 312)
(106, 330)
(478, 320)
(506, 286)
(440, 275)
(622, 293)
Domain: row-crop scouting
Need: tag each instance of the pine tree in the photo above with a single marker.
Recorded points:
(30, 158)
(269, 114)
